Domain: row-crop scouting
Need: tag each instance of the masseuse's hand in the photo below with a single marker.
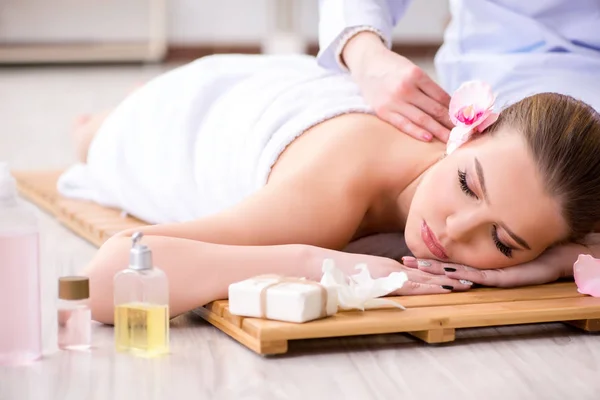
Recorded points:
(400, 92)
(554, 264)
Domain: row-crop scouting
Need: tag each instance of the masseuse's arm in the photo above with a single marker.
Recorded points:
(356, 35)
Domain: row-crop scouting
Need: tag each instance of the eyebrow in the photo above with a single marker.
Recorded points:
(481, 178)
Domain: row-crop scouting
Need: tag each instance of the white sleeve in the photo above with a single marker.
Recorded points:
(341, 19)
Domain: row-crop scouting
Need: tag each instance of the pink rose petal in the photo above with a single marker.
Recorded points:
(586, 272)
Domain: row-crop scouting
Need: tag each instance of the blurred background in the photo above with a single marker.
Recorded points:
(100, 31)
(62, 61)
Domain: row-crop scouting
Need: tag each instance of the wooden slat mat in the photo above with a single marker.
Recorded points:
(88, 220)
(432, 318)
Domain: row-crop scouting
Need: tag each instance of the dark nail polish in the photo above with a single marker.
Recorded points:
(447, 287)
(448, 269)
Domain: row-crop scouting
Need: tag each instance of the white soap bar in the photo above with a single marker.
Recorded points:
(285, 299)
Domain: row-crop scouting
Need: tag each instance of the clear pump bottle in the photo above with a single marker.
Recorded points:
(141, 299)
(20, 315)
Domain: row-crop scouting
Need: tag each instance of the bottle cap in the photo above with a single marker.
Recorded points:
(140, 256)
(73, 288)
(8, 186)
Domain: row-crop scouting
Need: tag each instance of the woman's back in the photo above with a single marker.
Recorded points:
(202, 137)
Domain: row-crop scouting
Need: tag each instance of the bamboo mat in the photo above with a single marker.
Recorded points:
(89, 220)
(431, 318)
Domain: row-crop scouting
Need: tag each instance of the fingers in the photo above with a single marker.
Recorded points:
(479, 276)
(433, 90)
(416, 113)
(440, 280)
(459, 272)
(424, 118)
(415, 288)
(433, 108)
(431, 266)
(407, 126)
(404, 95)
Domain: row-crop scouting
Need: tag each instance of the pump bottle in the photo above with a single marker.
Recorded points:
(141, 300)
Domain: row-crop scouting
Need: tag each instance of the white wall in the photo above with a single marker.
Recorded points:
(424, 21)
(73, 20)
(189, 21)
(222, 21)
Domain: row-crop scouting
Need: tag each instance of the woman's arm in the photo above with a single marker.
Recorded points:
(200, 272)
(305, 210)
(318, 193)
(553, 264)
(319, 202)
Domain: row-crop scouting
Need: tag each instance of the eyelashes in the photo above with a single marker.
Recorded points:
(462, 180)
(504, 249)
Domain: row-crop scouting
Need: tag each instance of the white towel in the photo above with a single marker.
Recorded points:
(204, 136)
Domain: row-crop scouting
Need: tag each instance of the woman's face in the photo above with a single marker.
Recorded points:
(484, 206)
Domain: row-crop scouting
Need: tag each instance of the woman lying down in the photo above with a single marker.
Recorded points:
(246, 165)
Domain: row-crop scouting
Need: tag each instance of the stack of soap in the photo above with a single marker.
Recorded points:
(281, 298)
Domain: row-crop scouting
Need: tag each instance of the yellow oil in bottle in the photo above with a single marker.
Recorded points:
(142, 329)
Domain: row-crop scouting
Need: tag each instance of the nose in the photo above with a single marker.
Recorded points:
(463, 225)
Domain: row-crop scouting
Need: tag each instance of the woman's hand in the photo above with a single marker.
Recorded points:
(424, 282)
(419, 282)
(400, 92)
(554, 264)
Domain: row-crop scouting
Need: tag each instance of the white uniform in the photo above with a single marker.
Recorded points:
(520, 47)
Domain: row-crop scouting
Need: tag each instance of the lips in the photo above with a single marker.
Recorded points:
(432, 242)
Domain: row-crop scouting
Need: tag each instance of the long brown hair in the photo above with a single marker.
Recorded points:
(563, 135)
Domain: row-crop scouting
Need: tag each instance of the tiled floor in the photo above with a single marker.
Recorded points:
(37, 107)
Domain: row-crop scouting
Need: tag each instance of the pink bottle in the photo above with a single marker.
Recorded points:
(20, 314)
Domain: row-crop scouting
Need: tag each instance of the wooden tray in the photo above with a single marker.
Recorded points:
(432, 318)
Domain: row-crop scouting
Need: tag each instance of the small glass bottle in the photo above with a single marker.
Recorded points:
(20, 315)
(141, 299)
(74, 314)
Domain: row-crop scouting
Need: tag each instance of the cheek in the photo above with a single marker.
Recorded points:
(433, 201)
(480, 257)
(485, 256)
(438, 195)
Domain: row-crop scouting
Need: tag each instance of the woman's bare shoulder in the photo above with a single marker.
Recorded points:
(320, 192)
(359, 148)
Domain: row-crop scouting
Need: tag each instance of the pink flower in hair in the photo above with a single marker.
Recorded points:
(471, 109)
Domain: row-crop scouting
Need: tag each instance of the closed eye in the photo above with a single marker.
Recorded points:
(462, 180)
(504, 249)
(464, 186)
